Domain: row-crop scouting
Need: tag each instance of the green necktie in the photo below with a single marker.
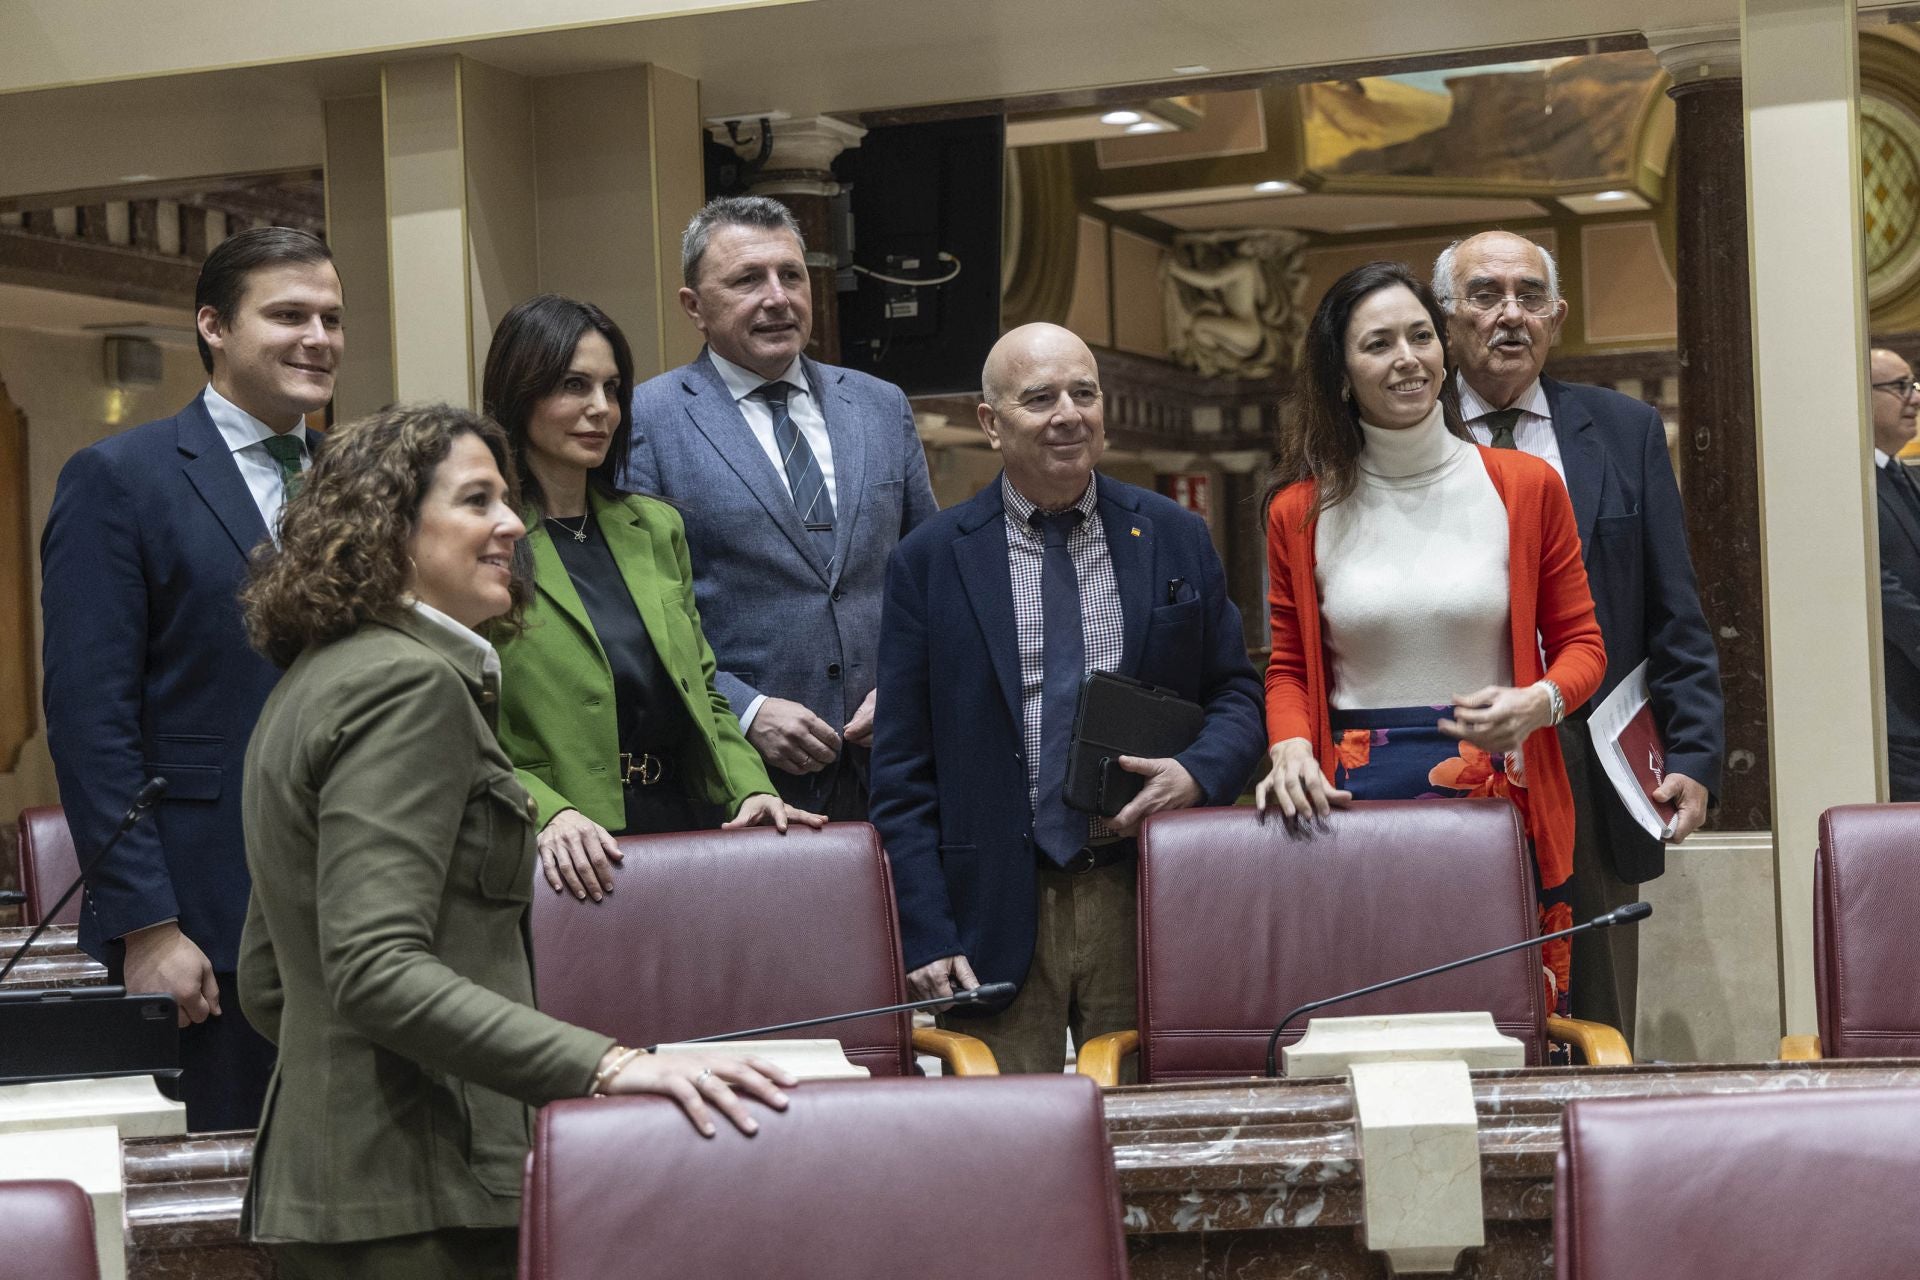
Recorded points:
(1501, 422)
(286, 451)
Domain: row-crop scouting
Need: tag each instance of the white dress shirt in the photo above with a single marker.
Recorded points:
(489, 656)
(244, 435)
(1533, 433)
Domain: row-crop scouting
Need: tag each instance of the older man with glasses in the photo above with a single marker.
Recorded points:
(1502, 297)
(1895, 400)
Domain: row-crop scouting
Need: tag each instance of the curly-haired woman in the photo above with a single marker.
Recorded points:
(392, 854)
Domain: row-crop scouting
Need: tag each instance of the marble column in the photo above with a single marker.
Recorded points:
(798, 172)
(1718, 446)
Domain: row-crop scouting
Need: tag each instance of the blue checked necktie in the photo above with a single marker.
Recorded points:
(1059, 831)
(808, 485)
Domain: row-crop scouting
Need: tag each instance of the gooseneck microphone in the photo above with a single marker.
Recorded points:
(142, 801)
(1632, 913)
(976, 995)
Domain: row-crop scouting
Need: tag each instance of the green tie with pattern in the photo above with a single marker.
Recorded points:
(286, 451)
(1501, 423)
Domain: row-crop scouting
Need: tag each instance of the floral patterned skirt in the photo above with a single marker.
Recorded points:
(1399, 753)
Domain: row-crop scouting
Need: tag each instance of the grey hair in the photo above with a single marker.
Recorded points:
(732, 211)
(1443, 273)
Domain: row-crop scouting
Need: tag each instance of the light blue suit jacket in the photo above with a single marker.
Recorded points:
(783, 622)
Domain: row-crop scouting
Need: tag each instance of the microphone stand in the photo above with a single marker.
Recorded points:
(975, 995)
(1632, 913)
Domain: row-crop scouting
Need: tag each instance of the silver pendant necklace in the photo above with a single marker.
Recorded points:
(579, 534)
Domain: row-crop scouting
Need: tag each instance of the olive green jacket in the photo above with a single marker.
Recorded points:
(386, 950)
(558, 721)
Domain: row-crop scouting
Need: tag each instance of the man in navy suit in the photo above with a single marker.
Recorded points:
(1895, 398)
(1502, 296)
(148, 670)
(995, 610)
(796, 480)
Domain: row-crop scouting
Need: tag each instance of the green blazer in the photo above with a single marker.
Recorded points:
(386, 950)
(557, 717)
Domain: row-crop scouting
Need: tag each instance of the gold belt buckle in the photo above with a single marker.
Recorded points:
(646, 766)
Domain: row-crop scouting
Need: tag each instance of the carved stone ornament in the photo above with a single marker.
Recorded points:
(1233, 302)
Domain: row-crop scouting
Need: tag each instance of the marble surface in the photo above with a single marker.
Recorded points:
(1709, 954)
(55, 960)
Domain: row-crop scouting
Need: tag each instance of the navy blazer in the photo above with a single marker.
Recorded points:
(781, 620)
(1900, 613)
(1633, 531)
(949, 768)
(148, 672)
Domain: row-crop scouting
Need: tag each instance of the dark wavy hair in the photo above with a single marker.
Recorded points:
(532, 350)
(1320, 437)
(342, 558)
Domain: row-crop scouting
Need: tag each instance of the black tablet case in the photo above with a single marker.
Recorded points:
(1121, 717)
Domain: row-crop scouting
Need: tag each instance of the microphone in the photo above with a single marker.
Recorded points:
(1632, 913)
(978, 995)
(142, 801)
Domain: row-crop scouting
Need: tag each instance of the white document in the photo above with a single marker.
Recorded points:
(1630, 750)
(803, 1059)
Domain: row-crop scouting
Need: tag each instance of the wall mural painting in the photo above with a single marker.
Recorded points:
(1234, 301)
(1555, 121)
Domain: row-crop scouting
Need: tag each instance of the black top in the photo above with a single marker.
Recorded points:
(648, 708)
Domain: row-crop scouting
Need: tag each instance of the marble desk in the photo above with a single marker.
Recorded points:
(55, 961)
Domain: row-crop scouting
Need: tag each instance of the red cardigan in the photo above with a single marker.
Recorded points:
(1549, 600)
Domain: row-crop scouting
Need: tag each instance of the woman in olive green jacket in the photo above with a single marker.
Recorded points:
(391, 849)
(609, 710)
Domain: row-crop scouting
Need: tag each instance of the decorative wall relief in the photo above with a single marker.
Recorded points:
(1233, 302)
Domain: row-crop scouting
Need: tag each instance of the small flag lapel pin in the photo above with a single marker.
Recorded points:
(1134, 530)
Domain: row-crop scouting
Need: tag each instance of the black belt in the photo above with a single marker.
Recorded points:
(1096, 854)
(644, 768)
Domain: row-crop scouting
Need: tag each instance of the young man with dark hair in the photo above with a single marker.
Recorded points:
(147, 668)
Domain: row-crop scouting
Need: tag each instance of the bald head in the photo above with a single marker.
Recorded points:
(1891, 399)
(1041, 409)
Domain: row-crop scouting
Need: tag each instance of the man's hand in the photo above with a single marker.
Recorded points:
(763, 810)
(1690, 798)
(1169, 786)
(859, 730)
(162, 960)
(941, 978)
(791, 738)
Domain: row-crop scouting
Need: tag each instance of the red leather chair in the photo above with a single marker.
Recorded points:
(1243, 918)
(713, 931)
(47, 1228)
(1009, 1177)
(1866, 896)
(1808, 1183)
(48, 864)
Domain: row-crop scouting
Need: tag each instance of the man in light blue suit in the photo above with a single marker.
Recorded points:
(796, 480)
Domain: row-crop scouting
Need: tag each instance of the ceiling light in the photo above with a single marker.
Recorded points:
(1611, 197)
(1147, 126)
(1121, 117)
(1274, 187)
(1191, 71)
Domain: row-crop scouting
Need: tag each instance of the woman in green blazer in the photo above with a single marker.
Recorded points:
(609, 710)
(391, 849)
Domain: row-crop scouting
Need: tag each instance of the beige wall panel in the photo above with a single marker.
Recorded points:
(679, 189)
(497, 135)
(960, 472)
(1090, 313)
(1822, 618)
(1709, 968)
(426, 198)
(357, 233)
(1625, 287)
(56, 381)
(1139, 312)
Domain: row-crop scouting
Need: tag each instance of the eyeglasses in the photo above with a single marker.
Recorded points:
(1902, 387)
(1532, 301)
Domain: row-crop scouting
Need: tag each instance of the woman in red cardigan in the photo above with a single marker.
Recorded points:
(1430, 614)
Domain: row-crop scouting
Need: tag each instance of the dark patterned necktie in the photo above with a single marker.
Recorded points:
(804, 477)
(1059, 831)
(286, 451)
(1501, 422)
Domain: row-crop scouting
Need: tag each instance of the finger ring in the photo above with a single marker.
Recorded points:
(701, 1078)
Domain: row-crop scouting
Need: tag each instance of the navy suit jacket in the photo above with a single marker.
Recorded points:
(1633, 531)
(1900, 615)
(148, 672)
(949, 768)
(781, 620)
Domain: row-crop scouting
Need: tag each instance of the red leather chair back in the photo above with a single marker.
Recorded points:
(714, 931)
(48, 1232)
(952, 1179)
(1807, 1183)
(1243, 918)
(48, 864)
(1866, 898)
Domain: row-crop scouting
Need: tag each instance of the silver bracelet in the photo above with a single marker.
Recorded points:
(1556, 703)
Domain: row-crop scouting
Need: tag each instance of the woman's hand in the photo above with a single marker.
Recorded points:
(698, 1081)
(1295, 782)
(1498, 719)
(577, 855)
(763, 810)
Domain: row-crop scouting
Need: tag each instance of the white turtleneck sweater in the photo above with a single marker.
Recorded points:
(1412, 573)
